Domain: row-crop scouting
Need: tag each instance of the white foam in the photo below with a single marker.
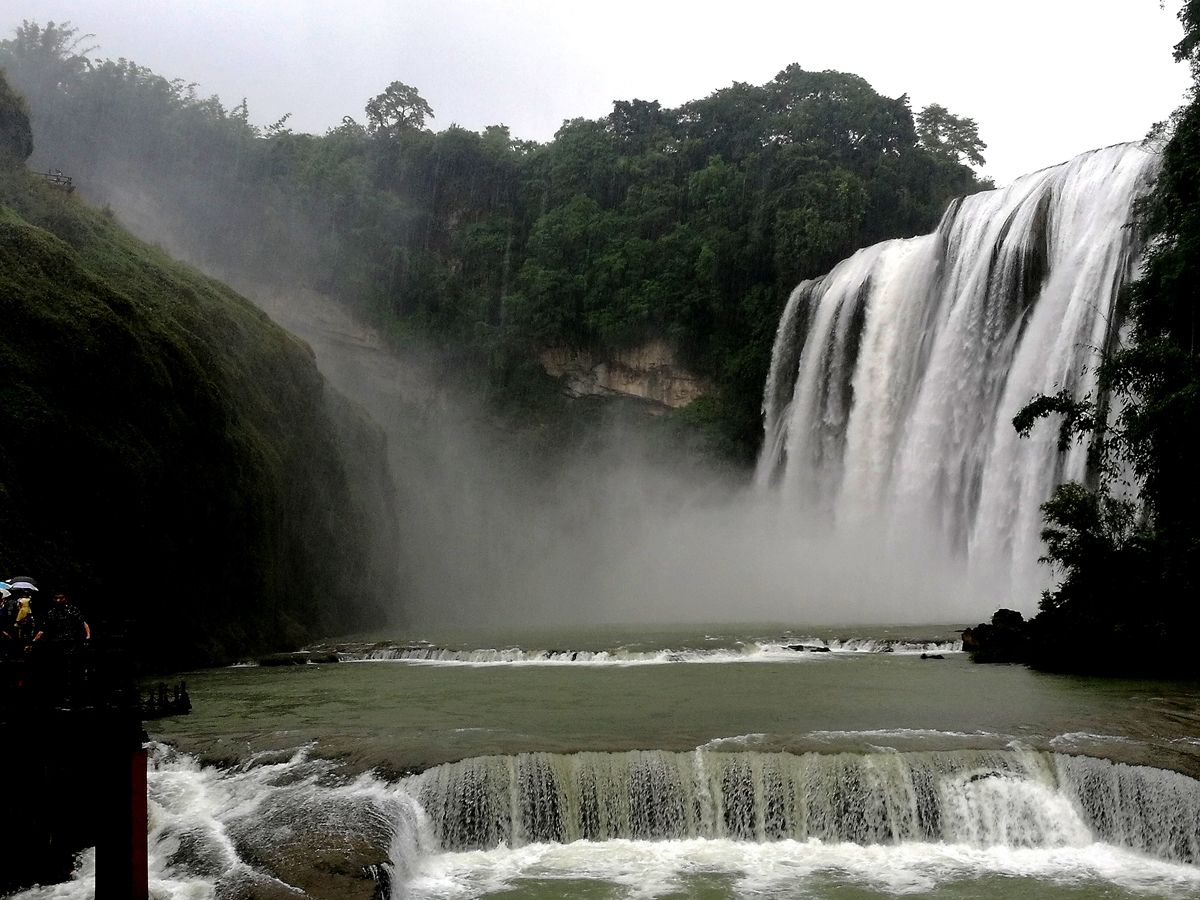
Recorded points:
(755, 739)
(898, 734)
(1023, 818)
(650, 869)
(516, 656)
(1078, 738)
(794, 651)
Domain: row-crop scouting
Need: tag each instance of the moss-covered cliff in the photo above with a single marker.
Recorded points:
(167, 453)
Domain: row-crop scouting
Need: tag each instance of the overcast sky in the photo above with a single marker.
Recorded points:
(1045, 79)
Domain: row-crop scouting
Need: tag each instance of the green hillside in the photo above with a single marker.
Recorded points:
(168, 455)
(688, 226)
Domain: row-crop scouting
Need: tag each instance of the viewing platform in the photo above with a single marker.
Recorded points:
(57, 179)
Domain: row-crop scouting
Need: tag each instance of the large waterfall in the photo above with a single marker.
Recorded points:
(896, 376)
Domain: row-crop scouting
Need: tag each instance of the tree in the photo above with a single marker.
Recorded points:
(634, 124)
(949, 136)
(397, 109)
(1131, 569)
(40, 60)
(16, 137)
(839, 113)
(1089, 538)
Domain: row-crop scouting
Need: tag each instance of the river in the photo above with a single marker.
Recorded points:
(702, 763)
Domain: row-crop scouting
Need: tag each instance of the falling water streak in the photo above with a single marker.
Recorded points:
(973, 798)
(916, 354)
(785, 355)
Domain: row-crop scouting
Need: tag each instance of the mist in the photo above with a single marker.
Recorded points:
(619, 530)
(615, 534)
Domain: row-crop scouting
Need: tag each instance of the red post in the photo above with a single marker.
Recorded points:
(139, 822)
(121, 849)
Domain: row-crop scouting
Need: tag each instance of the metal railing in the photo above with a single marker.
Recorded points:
(57, 179)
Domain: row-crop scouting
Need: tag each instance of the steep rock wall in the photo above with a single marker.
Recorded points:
(649, 371)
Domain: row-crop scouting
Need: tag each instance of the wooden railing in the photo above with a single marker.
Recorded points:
(57, 179)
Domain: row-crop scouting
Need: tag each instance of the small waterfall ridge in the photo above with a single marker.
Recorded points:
(871, 819)
(895, 377)
(978, 798)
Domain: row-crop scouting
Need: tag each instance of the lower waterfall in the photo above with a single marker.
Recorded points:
(895, 377)
(652, 823)
(977, 798)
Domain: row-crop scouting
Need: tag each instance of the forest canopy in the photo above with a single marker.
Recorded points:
(689, 225)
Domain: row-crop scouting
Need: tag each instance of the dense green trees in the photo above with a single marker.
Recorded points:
(689, 225)
(16, 135)
(170, 455)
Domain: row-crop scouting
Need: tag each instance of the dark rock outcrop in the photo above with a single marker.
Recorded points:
(1005, 640)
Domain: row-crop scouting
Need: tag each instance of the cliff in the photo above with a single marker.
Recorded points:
(168, 455)
(649, 371)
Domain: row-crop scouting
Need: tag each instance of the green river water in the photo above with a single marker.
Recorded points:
(566, 706)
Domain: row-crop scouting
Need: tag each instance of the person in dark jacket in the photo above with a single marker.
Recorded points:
(62, 622)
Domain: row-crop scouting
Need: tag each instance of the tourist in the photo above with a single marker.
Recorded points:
(61, 632)
(22, 627)
(8, 616)
(62, 622)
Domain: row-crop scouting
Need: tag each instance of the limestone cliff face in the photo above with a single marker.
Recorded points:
(650, 372)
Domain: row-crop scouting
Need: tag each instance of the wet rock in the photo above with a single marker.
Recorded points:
(325, 848)
(1004, 640)
(299, 658)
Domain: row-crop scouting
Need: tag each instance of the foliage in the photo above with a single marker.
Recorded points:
(168, 455)
(689, 225)
(1088, 536)
(398, 108)
(16, 135)
(949, 136)
(1078, 417)
(1126, 567)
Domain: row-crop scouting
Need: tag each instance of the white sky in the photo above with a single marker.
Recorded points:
(1045, 79)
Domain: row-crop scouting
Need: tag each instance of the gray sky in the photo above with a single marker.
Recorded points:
(1045, 79)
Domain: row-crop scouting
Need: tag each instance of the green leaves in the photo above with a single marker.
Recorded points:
(1078, 417)
(689, 225)
(949, 136)
(396, 110)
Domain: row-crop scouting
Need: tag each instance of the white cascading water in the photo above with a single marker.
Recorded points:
(750, 651)
(895, 377)
(974, 798)
(898, 821)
